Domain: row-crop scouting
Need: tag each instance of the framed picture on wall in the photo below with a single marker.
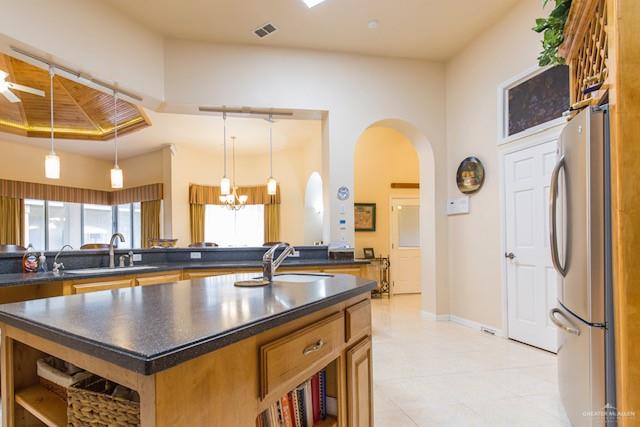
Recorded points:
(364, 215)
(369, 253)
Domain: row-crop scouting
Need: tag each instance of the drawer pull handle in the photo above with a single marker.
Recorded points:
(313, 348)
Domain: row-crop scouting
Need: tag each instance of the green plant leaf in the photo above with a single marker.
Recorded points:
(552, 29)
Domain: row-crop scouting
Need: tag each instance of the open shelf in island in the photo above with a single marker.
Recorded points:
(43, 404)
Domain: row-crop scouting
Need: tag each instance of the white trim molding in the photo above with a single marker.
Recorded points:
(477, 326)
(503, 88)
(432, 316)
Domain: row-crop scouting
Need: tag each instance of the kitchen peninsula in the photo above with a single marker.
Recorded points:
(199, 352)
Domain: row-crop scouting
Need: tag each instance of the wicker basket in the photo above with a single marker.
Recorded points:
(90, 403)
(57, 376)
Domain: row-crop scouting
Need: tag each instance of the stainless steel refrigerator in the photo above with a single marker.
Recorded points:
(580, 244)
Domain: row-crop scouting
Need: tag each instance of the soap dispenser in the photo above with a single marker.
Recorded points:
(42, 263)
(29, 260)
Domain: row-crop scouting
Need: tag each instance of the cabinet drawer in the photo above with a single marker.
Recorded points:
(81, 288)
(358, 320)
(157, 280)
(300, 354)
(356, 271)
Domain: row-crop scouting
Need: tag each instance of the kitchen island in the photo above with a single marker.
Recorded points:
(199, 352)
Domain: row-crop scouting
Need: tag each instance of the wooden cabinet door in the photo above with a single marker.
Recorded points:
(356, 271)
(360, 385)
(82, 288)
(158, 280)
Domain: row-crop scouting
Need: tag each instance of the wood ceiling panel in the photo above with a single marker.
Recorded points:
(80, 112)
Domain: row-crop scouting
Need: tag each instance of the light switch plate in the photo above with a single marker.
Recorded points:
(196, 255)
(458, 205)
(137, 257)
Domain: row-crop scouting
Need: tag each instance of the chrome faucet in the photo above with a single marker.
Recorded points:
(269, 265)
(57, 266)
(112, 262)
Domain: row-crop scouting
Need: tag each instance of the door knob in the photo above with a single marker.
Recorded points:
(509, 255)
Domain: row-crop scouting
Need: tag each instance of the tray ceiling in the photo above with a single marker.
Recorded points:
(80, 112)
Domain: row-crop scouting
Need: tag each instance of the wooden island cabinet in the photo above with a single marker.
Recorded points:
(213, 354)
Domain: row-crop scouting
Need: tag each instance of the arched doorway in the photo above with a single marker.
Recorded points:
(432, 225)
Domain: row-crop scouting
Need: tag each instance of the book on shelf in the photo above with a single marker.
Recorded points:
(304, 406)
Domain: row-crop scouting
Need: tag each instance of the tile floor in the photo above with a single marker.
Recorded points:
(430, 373)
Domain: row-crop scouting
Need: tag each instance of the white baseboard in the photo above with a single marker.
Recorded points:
(476, 325)
(432, 316)
(461, 321)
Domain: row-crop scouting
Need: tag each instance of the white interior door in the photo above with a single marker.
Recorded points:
(531, 279)
(405, 246)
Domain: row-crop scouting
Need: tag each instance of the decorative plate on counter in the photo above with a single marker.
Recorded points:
(470, 175)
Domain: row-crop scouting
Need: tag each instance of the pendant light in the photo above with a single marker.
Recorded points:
(233, 200)
(272, 184)
(117, 178)
(225, 182)
(52, 161)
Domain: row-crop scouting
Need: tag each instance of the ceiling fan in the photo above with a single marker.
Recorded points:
(5, 87)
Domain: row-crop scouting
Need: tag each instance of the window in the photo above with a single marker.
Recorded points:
(60, 218)
(234, 228)
(49, 225)
(34, 229)
(98, 224)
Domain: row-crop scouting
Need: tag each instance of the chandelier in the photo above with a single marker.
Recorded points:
(233, 200)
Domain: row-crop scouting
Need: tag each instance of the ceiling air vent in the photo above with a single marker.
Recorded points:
(265, 30)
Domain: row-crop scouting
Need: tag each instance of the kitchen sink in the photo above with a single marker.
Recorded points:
(104, 270)
(300, 277)
(282, 278)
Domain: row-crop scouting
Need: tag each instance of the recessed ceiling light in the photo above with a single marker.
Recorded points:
(311, 3)
(373, 24)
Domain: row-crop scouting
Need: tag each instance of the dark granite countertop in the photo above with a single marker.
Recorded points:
(15, 279)
(148, 329)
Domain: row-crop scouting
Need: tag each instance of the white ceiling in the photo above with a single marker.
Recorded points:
(201, 131)
(427, 29)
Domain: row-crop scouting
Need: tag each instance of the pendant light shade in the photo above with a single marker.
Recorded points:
(225, 186)
(225, 182)
(52, 161)
(52, 166)
(117, 177)
(272, 184)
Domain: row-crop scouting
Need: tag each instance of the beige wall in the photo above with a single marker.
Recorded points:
(506, 49)
(89, 36)
(291, 167)
(357, 92)
(25, 162)
(383, 156)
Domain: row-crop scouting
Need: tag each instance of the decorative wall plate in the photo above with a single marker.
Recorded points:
(343, 193)
(470, 175)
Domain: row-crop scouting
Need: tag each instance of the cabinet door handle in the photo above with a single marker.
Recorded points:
(313, 348)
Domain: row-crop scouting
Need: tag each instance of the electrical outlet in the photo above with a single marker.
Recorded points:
(196, 255)
(137, 257)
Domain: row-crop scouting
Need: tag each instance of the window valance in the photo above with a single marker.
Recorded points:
(210, 195)
(59, 193)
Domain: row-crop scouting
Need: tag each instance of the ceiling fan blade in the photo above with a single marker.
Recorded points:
(3, 75)
(11, 97)
(27, 89)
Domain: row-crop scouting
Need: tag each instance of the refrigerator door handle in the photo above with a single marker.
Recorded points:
(554, 319)
(553, 230)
